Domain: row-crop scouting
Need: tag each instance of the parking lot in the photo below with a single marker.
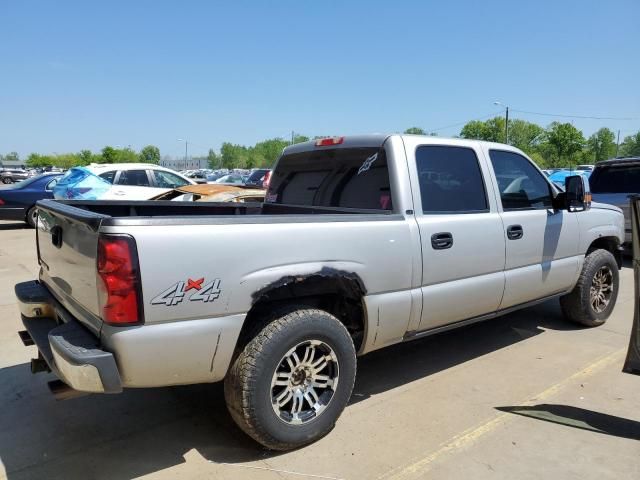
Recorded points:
(523, 396)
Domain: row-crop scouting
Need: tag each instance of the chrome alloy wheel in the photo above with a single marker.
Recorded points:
(304, 382)
(601, 289)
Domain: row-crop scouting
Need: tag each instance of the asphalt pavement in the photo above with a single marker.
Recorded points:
(525, 396)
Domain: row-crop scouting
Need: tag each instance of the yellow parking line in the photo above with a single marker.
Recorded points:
(468, 437)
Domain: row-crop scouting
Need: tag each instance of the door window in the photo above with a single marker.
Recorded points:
(51, 184)
(168, 179)
(450, 180)
(136, 178)
(521, 185)
(108, 176)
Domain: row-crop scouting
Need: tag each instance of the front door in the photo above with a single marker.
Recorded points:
(541, 243)
(463, 246)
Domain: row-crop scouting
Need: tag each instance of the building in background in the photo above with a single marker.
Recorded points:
(180, 164)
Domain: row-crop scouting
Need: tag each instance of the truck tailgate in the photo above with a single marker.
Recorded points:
(67, 240)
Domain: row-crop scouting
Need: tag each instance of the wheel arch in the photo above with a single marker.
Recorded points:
(338, 292)
(609, 243)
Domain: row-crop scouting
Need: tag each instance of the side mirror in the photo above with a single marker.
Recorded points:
(578, 193)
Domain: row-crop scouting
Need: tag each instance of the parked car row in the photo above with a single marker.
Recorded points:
(257, 177)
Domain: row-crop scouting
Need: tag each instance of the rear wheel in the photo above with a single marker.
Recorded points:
(291, 382)
(7, 180)
(32, 217)
(593, 298)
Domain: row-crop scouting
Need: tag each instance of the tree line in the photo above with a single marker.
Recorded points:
(557, 145)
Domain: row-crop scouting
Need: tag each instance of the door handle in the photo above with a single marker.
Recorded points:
(515, 232)
(441, 241)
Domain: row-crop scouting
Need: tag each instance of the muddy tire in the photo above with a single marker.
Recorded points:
(290, 383)
(593, 298)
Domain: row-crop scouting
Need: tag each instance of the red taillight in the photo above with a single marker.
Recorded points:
(266, 180)
(326, 142)
(1, 202)
(118, 280)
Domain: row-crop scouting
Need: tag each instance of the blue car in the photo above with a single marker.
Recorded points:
(18, 201)
(559, 176)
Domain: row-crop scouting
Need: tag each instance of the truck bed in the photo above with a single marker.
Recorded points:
(118, 212)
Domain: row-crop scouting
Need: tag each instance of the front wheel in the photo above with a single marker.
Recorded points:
(291, 382)
(7, 180)
(592, 300)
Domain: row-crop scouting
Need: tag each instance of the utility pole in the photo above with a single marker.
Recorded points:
(506, 126)
(292, 136)
(618, 143)
(506, 120)
(186, 151)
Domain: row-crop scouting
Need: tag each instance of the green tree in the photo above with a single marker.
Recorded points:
(266, 153)
(150, 154)
(213, 159)
(562, 144)
(297, 138)
(491, 130)
(601, 146)
(630, 147)
(525, 135)
(414, 131)
(109, 155)
(35, 160)
(233, 156)
(86, 157)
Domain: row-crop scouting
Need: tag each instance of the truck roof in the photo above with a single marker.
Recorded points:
(377, 139)
(616, 161)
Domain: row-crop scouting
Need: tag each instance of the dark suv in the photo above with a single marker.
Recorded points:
(612, 181)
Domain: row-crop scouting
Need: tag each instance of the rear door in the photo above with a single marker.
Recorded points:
(632, 362)
(463, 246)
(541, 243)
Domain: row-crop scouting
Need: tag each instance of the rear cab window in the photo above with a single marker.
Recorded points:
(355, 178)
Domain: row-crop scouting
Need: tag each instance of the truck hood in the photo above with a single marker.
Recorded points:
(606, 206)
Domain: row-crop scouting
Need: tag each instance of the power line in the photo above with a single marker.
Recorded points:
(462, 123)
(587, 117)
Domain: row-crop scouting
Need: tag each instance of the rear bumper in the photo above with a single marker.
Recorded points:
(150, 355)
(71, 351)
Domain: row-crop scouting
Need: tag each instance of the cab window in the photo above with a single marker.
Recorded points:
(450, 180)
(521, 185)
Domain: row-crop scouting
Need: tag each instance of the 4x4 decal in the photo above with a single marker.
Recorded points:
(176, 293)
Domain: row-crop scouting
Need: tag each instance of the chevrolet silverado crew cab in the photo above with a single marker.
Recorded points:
(362, 242)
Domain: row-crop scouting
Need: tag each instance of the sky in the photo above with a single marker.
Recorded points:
(82, 75)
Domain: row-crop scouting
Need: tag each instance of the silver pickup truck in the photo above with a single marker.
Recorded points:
(362, 242)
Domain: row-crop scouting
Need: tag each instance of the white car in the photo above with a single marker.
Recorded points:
(137, 181)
